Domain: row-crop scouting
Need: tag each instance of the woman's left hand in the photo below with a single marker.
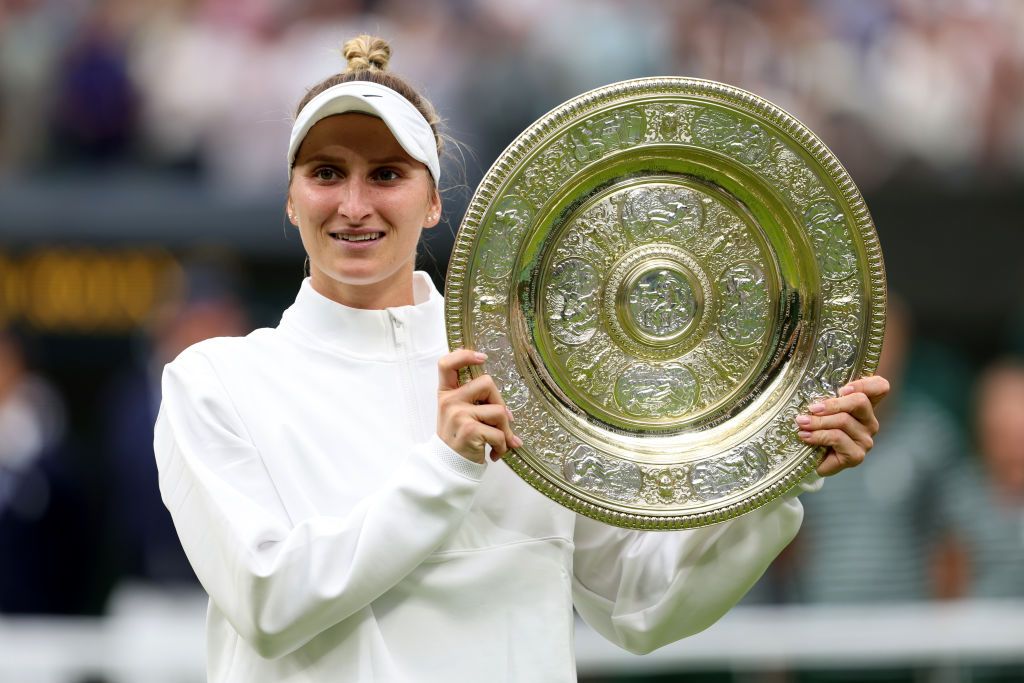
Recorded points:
(845, 425)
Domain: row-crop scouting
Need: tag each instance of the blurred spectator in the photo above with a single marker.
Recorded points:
(46, 538)
(872, 536)
(987, 493)
(984, 556)
(31, 34)
(200, 303)
(95, 102)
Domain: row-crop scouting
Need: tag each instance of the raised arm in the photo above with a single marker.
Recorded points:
(280, 582)
(642, 590)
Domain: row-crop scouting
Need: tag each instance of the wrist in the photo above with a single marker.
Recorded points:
(455, 460)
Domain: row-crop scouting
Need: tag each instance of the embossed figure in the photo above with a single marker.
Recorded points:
(732, 135)
(667, 123)
(340, 492)
(598, 136)
(795, 178)
(505, 373)
(588, 469)
(511, 219)
(571, 299)
(744, 317)
(656, 391)
(836, 352)
(660, 213)
(827, 228)
(662, 302)
(555, 164)
(720, 477)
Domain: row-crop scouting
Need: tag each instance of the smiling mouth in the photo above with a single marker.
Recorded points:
(361, 237)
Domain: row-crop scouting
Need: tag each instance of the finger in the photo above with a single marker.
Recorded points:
(844, 451)
(875, 388)
(497, 416)
(857, 404)
(855, 429)
(830, 464)
(450, 364)
(494, 437)
(480, 389)
(469, 436)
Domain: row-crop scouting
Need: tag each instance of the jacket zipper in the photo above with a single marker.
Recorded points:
(400, 338)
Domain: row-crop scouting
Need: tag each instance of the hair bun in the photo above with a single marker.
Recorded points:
(367, 53)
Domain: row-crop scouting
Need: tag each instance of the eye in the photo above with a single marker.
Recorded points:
(325, 173)
(386, 174)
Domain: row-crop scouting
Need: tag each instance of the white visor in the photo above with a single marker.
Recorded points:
(404, 121)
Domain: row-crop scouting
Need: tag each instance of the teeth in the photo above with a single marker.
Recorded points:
(359, 238)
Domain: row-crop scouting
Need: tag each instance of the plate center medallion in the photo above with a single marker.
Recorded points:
(661, 302)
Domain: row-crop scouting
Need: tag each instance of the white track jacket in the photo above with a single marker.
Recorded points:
(339, 539)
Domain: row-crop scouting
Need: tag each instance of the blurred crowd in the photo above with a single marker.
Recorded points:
(207, 87)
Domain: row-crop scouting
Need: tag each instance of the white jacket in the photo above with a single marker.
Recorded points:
(341, 540)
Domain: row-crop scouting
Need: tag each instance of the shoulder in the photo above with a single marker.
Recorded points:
(222, 366)
(225, 351)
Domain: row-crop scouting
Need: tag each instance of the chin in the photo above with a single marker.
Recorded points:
(360, 277)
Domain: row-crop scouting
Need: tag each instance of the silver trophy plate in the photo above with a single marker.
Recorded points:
(664, 272)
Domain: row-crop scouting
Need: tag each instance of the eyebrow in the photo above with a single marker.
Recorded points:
(332, 159)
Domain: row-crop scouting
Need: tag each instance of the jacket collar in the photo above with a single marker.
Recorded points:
(385, 334)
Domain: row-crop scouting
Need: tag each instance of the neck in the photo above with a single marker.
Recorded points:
(391, 293)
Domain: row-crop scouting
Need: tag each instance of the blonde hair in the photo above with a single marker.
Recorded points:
(366, 53)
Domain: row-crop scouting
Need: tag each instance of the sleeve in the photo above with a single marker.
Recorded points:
(278, 583)
(644, 589)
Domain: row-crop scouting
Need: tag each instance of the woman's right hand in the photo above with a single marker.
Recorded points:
(472, 416)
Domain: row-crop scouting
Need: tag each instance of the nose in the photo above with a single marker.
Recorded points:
(354, 200)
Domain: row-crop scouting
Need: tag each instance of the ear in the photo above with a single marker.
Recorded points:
(433, 209)
(290, 209)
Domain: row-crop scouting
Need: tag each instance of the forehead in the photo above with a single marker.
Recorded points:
(354, 133)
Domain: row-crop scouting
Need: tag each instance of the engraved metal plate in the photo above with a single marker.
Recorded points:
(663, 273)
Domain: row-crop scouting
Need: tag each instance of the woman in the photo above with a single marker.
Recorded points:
(328, 477)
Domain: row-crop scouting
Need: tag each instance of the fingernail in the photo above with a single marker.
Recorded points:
(480, 356)
(516, 441)
(843, 391)
(817, 407)
(804, 435)
(803, 420)
(511, 417)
